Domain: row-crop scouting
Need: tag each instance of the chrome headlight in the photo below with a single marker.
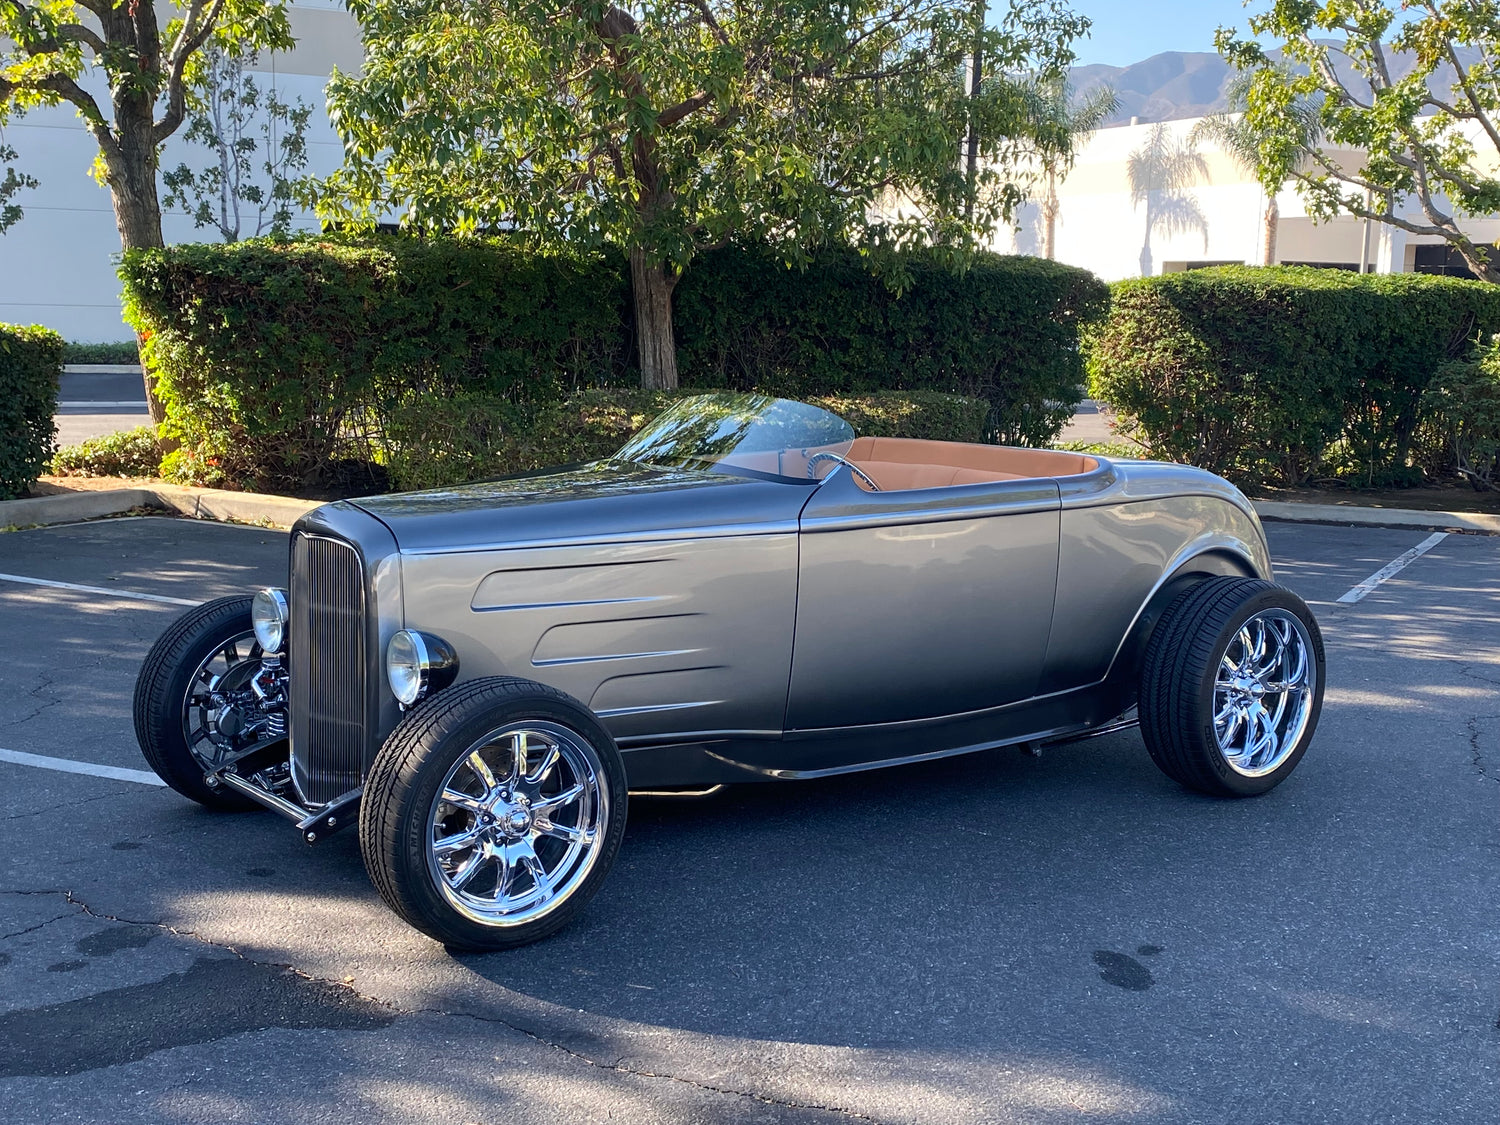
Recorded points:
(417, 664)
(268, 615)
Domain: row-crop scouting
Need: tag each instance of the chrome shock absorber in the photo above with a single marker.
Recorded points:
(269, 685)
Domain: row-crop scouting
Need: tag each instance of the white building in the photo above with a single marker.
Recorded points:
(1101, 227)
(57, 265)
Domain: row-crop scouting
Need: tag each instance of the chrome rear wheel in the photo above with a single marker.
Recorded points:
(1263, 692)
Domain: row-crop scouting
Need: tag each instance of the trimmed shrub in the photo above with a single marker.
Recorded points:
(125, 453)
(1282, 373)
(1460, 431)
(30, 364)
(279, 360)
(125, 351)
(476, 437)
(1006, 330)
(274, 358)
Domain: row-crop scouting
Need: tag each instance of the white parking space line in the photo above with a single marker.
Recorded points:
(1392, 568)
(67, 765)
(128, 595)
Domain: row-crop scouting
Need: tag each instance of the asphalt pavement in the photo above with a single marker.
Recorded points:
(993, 938)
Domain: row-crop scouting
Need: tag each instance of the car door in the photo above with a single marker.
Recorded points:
(921, 603)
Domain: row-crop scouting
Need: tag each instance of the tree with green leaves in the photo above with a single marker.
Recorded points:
(1367, 104)
(50, 50)
(1076, 116)
(11, 185)
(661, 128)
(1161, 172)
(236, 120)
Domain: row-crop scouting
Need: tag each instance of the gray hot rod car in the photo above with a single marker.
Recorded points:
(478, 676)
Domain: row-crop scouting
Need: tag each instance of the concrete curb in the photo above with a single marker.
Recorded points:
(1378, 517)
(101, 369)
(196, 503)
(283, 511)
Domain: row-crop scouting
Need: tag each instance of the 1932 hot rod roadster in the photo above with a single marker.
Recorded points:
(478, 676)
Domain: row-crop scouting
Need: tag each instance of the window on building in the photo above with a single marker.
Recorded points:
(1440, 259)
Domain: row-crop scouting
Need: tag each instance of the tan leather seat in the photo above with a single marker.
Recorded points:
(897, 464)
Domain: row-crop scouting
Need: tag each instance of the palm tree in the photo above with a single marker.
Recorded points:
(1160, 172)
(1075, 117)
(1232, 133)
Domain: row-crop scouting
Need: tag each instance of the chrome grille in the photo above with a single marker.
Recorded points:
(327, 667)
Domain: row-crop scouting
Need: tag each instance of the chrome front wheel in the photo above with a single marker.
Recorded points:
(493, 812)
(516, 825)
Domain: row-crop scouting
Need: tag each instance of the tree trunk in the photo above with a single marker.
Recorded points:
(1273, 226)
(652, 284)
(131, 176)
(1049, 218)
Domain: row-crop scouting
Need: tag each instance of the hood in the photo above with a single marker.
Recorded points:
(602, 501)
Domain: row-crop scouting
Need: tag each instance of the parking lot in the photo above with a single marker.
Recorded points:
(991, 938)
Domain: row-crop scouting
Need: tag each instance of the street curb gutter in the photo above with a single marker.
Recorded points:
(197, 503)
(1378, 517)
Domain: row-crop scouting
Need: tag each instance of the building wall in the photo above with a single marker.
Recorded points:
(1102, 228)
(57, 265)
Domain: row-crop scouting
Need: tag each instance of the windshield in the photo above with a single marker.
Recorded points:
(731, 432)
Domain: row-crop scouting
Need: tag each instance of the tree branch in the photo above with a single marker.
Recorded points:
(675, 113)
(189, 39)
(64, 87)
(708, 17)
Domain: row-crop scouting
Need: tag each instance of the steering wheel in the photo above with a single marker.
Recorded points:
(853, 468)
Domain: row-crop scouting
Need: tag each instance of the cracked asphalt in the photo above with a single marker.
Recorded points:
(993, 938)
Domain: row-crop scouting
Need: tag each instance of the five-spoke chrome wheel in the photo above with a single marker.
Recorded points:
(1263, 692)
(516, 824)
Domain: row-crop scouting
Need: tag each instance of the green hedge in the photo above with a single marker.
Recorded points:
(279, 361)
(1006, 331)
(1283, 374)
(30, 364)
(1460, 430)
(476, 436)
(124, 453)
(125, 351)
(275, 359)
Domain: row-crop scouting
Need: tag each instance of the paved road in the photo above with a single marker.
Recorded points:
(994, 938)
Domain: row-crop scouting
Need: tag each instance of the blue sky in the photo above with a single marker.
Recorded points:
(1127, 31)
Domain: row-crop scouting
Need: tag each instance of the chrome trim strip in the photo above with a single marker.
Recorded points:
(616, 656)
(567, 605)
(650, 709)
(658, 535)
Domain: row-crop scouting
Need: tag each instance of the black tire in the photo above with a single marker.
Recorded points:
(1178, 678)
(403, 786)
(161, 691)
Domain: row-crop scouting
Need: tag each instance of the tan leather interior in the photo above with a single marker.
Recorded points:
(896, 464)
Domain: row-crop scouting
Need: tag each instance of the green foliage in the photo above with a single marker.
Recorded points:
(30, 364)
(1378, 77)
(11, 185)
(671, 127)
(277, 360)
(235, 120)
(125, 453)
(475, 436)
(125, 351)
(1461, 418)
(273, 358)
(1280, 374)
(1120, 450)
(1005, 331)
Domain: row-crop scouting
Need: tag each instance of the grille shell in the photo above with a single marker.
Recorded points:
(328, 667)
